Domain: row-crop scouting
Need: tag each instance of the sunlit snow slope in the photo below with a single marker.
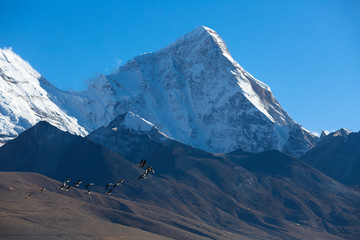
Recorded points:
(194, 92)
(23, 102)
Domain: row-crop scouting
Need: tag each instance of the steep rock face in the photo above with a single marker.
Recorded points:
(23, 102)
(338, 156)
(194, 92)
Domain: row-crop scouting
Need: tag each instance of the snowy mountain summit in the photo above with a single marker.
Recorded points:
(195, 93)
(23, 102)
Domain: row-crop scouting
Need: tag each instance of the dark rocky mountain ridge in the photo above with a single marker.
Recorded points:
(338, 156)
(268, 195)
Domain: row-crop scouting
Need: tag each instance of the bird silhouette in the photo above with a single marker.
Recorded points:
(142, 176)
(64, 184)
(90, 184)
(68, 188)
(77, 183)
(109, 192)
(118, 183)
(149, 169)
(142, 163)
(108, 185)
(87, 187)
(28, 196)
(43, 190)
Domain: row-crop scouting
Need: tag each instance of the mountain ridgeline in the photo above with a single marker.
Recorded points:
(223, 151)
(192, 90)
(338, 156)
(246, 195)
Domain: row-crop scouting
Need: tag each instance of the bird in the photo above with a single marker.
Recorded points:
(109, 192)
(64, 184)
(149, 169)
(43, 190)
(78, 183)
(68, 188)
(142, 176)
(90, 184)
(108, 185)
(319, 218)
(118, 183)
(87, 187)
(27, 197)
(11, 188)
(142, 163)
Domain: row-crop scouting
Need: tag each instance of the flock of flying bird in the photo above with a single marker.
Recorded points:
(108, 189)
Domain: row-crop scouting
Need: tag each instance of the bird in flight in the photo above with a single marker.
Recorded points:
(118, 183)
(149, 169)
(64, 184)
(142, 176)
(68, 188)
(43, 190)
(109, 192)
(142, 163)
(28, 196)
(78, 183)
(87, 187)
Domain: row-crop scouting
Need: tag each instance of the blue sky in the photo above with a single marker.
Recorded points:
(307, 51)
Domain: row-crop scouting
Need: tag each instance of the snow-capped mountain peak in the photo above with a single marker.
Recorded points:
(23, 102)
(15, 68)
(200, 35)
(341, 132)
(194, 92)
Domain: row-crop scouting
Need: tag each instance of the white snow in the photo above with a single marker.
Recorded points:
(23, 102)
(193, 91)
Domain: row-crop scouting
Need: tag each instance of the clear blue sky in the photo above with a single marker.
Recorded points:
(307, 51)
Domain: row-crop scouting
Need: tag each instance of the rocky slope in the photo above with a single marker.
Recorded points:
(268, 195)
(338, 156)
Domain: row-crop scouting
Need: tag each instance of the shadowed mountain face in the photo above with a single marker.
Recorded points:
(338, 156)
(268, 195)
